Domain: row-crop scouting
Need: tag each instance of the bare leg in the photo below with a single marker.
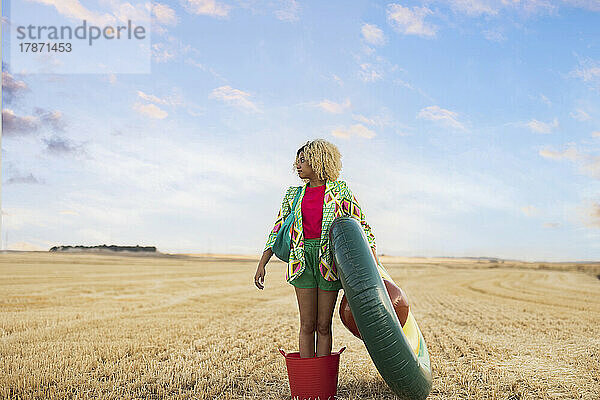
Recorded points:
(307, 304)
(326, 304)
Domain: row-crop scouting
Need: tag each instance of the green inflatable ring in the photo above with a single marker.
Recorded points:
(405, 368)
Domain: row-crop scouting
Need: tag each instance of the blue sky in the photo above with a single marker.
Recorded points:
(467, 128)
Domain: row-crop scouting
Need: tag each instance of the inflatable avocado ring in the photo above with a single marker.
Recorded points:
(388, 329)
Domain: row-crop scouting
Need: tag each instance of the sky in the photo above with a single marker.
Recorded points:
(466, 127)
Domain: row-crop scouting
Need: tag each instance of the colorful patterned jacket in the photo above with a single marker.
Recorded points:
(338, 200)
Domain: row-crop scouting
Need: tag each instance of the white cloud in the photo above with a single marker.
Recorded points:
(289, 12)
(411, 202)
(530, 211)
(594, 214)
(206, 7)
(368, 121)
(589, 213)
(334, 108)
(131, 186)
(542, 127)
(119, 12)
(410, 22)
(407, 85)
(338, 80)
(173, 100)
(589, 164)
(11, 87)
(589, 71)
(170, 49)
(234, 97)
(372, 34)
(493, 8)
(580, 115)
(15, 218)
(592, 5)
(596, 134)
(383, 119)
(150, 110)
(436, 113)
(494, 36)
(205, 178)
(150, 97)
(545, 99)
(378, 120)
(162, 53)
(569, 154)
(13, 124)
(368, 50)
(163, 14)
(370, 73)
(74, 10)
(356, 130)
(206, 68)
(538, 6)
(475, 8)
(139, 12)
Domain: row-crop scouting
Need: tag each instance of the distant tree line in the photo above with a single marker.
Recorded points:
(112, 247)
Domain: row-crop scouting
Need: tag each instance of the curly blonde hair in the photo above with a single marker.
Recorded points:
(323, 157)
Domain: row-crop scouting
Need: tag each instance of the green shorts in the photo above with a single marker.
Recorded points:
(311, 276)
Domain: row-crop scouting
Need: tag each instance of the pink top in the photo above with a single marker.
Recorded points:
(312, 211)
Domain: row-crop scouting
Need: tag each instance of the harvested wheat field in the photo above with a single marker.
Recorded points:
(84, 325)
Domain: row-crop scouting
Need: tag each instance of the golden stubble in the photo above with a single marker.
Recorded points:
(110, 326)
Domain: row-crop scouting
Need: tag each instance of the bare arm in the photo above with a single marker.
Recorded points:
(284, 210)
(266, 256)
(259, 277)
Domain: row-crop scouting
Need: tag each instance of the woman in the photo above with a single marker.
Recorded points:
(311, 268)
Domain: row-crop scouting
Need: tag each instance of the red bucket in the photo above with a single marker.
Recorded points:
(313, 378)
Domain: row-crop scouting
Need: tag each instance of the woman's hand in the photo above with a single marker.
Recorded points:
(259, 277)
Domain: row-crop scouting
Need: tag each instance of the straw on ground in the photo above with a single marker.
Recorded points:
(111, 326)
